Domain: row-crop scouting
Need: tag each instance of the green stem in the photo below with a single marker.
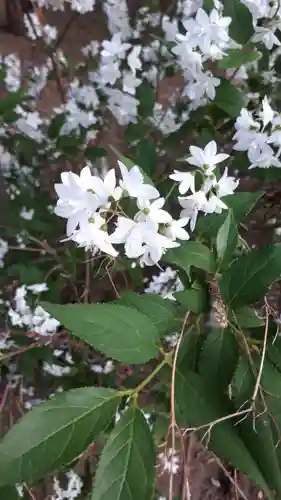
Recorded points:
(135, 392)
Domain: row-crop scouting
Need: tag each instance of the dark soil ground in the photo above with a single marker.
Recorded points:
(208, 480)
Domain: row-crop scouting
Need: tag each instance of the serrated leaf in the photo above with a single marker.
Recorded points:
(237, 57)
(194, 300)
(229, 98)
(197, 407)
(247, 280)
(119, 332)
(191, 253)
(219, 359)
(241, 32)
(54, 433)
(227, 238)
(162, 312)
(246, 317)
(241, 205)
(126, 469)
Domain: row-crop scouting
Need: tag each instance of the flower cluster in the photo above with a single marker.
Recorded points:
(90, 204)
(260, 136)
(208, 198)
(34, 319)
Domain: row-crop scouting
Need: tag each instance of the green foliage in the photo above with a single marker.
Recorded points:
(193, 299)
(127, 465)
(196, 406)
(119, 332)
(247, 280)
(146, 157)
(241, 27)
(218, 359)
(237, 57)
(162, 312)
(226, 239)
(191, 253)
(54, 433)
(241, 205)
(229, 99)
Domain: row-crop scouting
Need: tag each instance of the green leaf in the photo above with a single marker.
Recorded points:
(190, 351)
(9, 493)
(126, 469)
(241, 205)
(196, 406)
(241, 27)
(146, 96)
(237, 57)
(194, 300)
(229, 99)
(93, 153)
(146, 156)
(274, 353)
(219, 359)
(119, 332)
(191, 253)
(54, 433)
(162, 312)
(246, 317)
(248, 278)
(256, 431)
(227, 238)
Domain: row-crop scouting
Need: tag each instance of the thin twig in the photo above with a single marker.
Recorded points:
(257, 385)
(233, 482)
(173, 424)
(22, 350)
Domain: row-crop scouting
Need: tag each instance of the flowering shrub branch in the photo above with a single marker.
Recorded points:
(146, 314)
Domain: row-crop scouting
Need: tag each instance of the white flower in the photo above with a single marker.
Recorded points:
(267, 36)
(152, 211)
(215, 205)
(93, 236)
(38, 288)
(156, 246)
(206, 158)
(115, 47)
(3, 250)
(132, 182)
(191, 205)
(186, 180)
(267, 112)
(174, 229)
(141, 239)
(133, 59)
(76, 197)
(208, 32)
(226, 185)
(246, 121)
(56, 370)
(27, 214)
(130, 82)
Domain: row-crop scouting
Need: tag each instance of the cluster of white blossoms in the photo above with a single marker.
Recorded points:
(208, 198)
(33, 319)
(91, 206)
(96, 220)
(260, 136)
(270, 13)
